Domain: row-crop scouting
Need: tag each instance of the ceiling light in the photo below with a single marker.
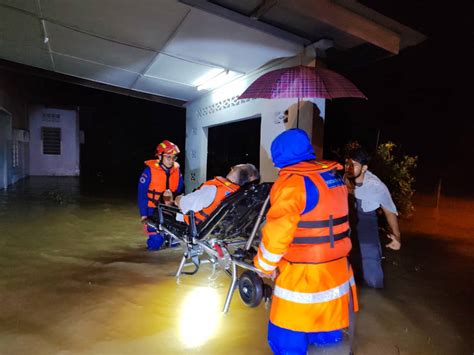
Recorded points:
(222, 78)
(210, 74)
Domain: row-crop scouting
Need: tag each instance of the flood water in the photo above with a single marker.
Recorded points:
(75, 278)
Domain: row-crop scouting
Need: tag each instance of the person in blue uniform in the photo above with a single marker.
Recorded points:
(160, 182)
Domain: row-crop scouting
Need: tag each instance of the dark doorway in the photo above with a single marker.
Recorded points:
(231, 144)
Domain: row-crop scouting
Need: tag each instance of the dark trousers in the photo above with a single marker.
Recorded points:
(367, 251)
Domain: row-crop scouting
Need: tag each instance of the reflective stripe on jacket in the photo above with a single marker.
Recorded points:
(312, 292)
(161, 179)
(224, 189)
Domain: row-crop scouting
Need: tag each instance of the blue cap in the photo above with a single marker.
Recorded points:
(291, 147)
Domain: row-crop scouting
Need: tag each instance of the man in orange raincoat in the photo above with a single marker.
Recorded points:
(305, 243)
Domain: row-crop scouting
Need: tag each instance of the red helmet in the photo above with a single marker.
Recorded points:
(167, 147)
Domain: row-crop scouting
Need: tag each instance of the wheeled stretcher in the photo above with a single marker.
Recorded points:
(227, 239)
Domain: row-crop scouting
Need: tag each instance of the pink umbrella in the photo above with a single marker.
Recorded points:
(300, 82)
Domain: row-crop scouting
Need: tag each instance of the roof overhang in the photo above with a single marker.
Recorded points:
(171, 49)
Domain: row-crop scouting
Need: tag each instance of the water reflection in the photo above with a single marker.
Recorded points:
(200, 316)
(41, 190)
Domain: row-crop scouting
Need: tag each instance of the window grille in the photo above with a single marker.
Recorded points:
(51, 137)
(15, 160)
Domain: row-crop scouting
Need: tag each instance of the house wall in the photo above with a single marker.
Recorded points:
(221, 107)
(64, 164)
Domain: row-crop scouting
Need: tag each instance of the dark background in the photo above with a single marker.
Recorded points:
(232, 144)
(419, 99)
(121, 133)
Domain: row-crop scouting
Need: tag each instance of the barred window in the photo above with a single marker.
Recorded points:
(51, 137)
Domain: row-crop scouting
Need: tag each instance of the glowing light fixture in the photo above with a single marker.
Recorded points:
(219, 79)
(200, 317)
(210, 74)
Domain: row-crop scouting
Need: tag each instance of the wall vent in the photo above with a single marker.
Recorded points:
(51, 137)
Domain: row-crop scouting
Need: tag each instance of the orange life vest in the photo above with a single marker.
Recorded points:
(161, 180)
(322, 234)
(224, 189)
(315, 284)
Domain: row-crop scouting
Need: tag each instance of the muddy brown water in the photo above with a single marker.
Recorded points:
(75, 278)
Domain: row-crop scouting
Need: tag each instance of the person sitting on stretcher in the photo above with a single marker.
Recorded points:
(210, 194)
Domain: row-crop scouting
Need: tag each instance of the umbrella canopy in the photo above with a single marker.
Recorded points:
(301, 82)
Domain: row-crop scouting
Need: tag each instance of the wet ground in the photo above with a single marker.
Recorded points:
(75, 278)
(427, 304)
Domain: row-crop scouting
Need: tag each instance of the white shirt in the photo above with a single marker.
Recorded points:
(197, 200)
(374, 193)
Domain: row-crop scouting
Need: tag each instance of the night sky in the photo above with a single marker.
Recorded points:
(419, 99)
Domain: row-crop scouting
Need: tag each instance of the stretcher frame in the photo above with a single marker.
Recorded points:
(230, 250)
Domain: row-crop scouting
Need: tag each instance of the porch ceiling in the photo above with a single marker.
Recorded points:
(159, 47)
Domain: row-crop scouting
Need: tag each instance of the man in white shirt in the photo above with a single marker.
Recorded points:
(371, 194)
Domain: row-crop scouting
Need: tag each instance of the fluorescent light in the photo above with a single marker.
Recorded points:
(210, 74)
(220, 79)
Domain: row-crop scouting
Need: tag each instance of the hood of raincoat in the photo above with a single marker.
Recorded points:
(291, 147)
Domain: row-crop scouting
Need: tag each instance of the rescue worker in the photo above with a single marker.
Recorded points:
(160, 182)
(210, 194)
(305, 244)
(368, 194)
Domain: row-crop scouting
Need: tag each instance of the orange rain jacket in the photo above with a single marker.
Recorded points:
(161, 180)
(224, 188)
(315, 282)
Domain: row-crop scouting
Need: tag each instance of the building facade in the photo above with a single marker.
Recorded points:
(222, 106)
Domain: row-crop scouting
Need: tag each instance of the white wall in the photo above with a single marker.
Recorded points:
(221, 106)
(65, 164)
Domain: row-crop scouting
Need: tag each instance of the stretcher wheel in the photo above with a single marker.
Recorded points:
(251, 288)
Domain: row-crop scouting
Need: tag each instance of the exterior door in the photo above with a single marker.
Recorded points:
(233, 143)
